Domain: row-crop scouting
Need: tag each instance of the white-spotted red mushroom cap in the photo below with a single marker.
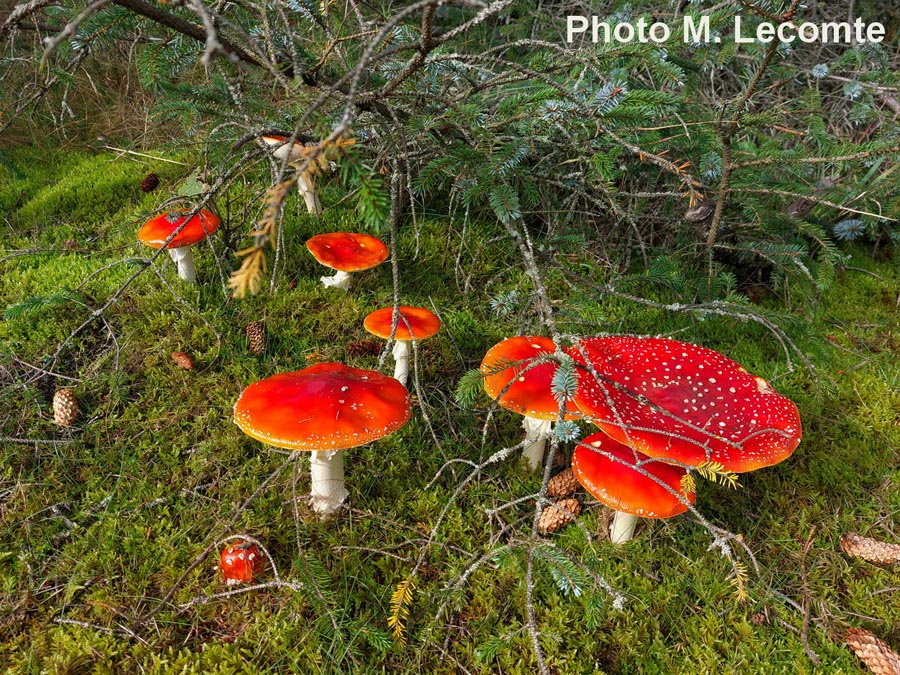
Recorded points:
(347, 251)
(327, 406)
(675, 400)
(156, 230)
(530, 393)
(420, 323)
(605, 468)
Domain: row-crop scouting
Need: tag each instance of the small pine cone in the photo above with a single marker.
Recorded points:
(256, 337)
(562, 484)
(65, 407)
(363, 348)
(150, 182)
(558, 515)
(183, 360)
(878, 552)
(875, 653)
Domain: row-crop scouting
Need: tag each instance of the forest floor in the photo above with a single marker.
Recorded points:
(111, 528)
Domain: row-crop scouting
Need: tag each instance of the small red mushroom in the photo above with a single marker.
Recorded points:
(239, 562)
(606, 469)
(414, 323)
(193, 230)
(346, 252)
(678, 401)
(324, 409)
(509, 365)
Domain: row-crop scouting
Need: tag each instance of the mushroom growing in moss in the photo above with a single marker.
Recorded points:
(323, 409)
(346, 252)
(190, 230)
(415, 323)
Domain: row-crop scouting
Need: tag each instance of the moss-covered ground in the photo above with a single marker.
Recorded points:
(101, 521)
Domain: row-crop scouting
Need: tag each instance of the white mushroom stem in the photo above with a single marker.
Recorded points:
(339, 279)
(401, 360)
(307, 186)
(184, 260)
(328, 491)
(536, 432)
(622, 527)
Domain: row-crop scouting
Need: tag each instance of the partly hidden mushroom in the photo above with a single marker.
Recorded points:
(631, 483)
(414, 323)
(517, 379)
(189, 230)
(678, 401)
(346, 252)
(323, 409)
(294, 153)
(239, 562)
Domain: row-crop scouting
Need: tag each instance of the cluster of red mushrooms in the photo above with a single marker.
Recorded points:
(664, 408)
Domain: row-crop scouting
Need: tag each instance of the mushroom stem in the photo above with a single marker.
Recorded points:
(339, 279)
(622, 527)
(401, 360)
(184, 261)
(328, 491)
(307, 187)
(536, 432)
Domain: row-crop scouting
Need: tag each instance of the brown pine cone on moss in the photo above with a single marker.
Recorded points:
(878, 552)
(256, 337)
(562, 484)
(183, 360)
(557, 516)
(150, 182)
(65, 407)
(875, 653)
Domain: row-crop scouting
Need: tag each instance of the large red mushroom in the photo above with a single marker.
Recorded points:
(324, 409)
(519, 382)
(629, 482)
(674, 400)
(346, 252)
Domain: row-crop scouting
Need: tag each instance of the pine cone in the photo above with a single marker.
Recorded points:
(65, 407)
(183, 360)
(878, 552)
(875, 653)
(557, 516)
(150, 182)
(363, 348)
(562, 484)
(256, 337)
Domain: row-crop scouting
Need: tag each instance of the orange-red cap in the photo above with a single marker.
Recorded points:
(530, 393)
(422, 323)
(612, 478)
(675, 400)
(156, 230)
(327, 406)
(347, 251)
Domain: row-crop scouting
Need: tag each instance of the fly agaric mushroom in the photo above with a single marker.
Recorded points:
(324, 409)
(295, 153)
(414, 323)
(239, 562)
(193, 230)
(606, 469)
(517, 384)
(346, 252)
(678, 401)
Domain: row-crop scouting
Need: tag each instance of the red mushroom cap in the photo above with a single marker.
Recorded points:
(618, 485)
(530, 394)
(238, 562)
(346, 251)
(156, 230)
(678, 401)
(328, 406)
(422, 322)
